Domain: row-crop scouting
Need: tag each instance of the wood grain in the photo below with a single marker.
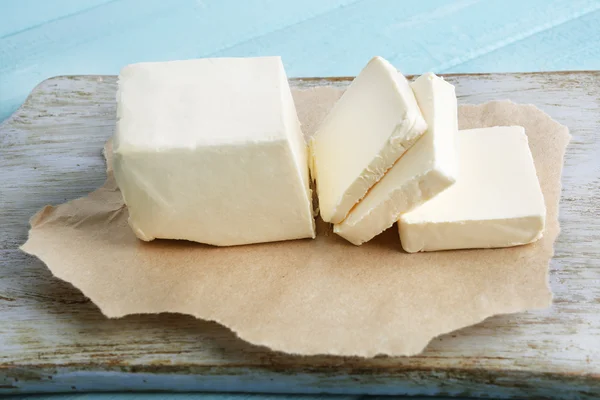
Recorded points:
(53, 339)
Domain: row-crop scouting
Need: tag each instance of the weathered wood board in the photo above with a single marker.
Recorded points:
(53, 339)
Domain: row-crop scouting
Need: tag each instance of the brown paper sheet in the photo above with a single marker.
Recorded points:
(322, 296)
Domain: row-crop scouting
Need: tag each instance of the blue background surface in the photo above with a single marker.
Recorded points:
(43, 38)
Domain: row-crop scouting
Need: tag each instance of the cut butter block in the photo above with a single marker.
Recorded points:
(375, 121)
(210, 150)
(496, 201)
(426, 169)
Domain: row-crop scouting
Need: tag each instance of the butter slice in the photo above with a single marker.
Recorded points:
(427, 168)
(211, 150)
(375, 121)
(496, 201)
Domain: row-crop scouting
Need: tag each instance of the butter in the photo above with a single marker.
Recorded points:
(211, 151)
(426, 169)
(375, 121)
(496, 201)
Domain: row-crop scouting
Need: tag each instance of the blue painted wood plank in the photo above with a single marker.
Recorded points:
(573, 45)
(103, 39)
(315, 37)
(19, 15)
(130, 30)
(416, 36)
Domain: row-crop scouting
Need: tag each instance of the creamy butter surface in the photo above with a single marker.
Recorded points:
(211, 150)
(496, 201)
(426, 169)
(375, 121)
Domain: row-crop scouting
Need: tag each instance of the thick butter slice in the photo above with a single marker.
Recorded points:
(426, 169)
(496, 201)
(376, 120)
(211, 151)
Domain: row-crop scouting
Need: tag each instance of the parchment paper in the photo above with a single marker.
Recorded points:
(322, 296)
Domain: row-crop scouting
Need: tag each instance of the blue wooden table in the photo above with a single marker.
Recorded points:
(40, 39)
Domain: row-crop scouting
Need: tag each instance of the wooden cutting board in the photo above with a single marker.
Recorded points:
(54, 339)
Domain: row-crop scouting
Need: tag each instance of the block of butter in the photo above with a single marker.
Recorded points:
(496, 201)
(211, 151)
(375, 121)
(426, 169)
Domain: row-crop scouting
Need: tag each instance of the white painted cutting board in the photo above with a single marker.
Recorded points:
(53, 339)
